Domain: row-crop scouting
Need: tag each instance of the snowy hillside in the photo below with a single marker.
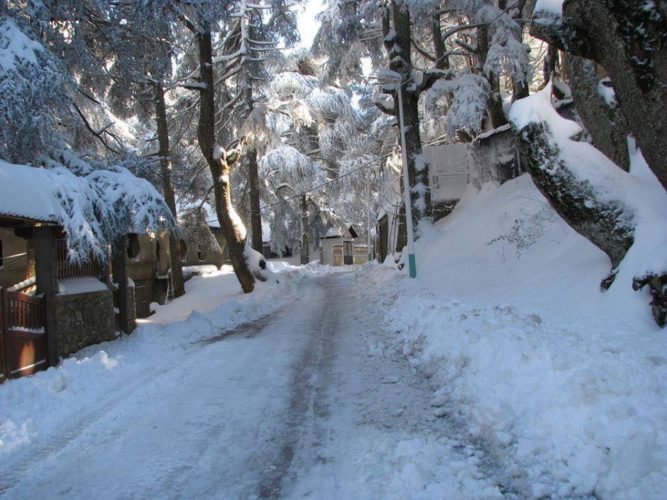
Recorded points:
(507, 318)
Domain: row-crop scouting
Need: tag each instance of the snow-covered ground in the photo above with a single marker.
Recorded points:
(501, 370)
(293, 391)
(508, 320)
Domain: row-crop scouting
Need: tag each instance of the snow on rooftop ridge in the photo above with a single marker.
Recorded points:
(333, 232)
(492, 132)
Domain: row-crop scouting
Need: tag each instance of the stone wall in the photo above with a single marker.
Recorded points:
(83, 319)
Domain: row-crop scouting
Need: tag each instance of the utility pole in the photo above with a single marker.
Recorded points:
(412, 262)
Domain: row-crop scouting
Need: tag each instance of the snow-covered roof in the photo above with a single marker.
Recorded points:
(93, 210)
(342, 231)
(492, 132)
(28, 193)
(334, 232)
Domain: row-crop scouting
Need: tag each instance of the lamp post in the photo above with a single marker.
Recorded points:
(412, 262)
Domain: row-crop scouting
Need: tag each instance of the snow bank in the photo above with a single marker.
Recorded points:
(507, 319)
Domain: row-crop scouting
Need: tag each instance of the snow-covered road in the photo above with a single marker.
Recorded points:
(309, 401)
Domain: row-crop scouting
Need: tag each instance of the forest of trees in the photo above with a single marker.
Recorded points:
(215, 102)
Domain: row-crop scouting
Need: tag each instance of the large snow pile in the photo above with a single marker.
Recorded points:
(507, 318)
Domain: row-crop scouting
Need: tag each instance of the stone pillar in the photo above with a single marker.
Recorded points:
(46, 276)
(126, 305)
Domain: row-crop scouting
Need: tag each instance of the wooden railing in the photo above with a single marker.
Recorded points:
(24, 312)
(68, 270)
(23, 336)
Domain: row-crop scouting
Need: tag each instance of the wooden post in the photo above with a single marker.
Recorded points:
(119, 271)
(4, 370)
(46, 267)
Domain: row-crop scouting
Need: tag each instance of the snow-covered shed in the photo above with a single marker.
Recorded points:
(338, 248)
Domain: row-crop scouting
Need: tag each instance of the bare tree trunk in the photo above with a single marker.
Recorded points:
(398, 48)
(441, 59)
(495, 102)
(255, 212)
(168, 188)
(630, 41)
(253, 171)
(220, 167)
(605, 122)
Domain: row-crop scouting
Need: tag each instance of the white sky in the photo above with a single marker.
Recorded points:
(307, 24)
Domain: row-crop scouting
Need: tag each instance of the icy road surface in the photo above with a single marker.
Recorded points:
(307, 402)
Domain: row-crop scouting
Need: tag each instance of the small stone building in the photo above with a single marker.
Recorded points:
(148, 265)
(338, 247)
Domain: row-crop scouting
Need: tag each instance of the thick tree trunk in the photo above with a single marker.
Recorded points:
(220, 168)
(251, 163)
(441, 58)
(398, 46)
(168, 188)
(604, 122)
(255, 213)
(630, 41)
(602, 223)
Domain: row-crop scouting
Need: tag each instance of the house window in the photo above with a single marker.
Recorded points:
(183, 249)
(133, 246)
(201, 255)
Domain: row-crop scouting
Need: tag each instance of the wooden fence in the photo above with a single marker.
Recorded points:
(68, 270)
(23, 341)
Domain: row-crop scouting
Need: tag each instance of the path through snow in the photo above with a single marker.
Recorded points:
(310, 401)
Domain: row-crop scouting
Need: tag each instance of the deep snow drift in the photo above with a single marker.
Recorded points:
(507, 317)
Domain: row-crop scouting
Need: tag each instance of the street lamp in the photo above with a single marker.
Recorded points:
(412, 262)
